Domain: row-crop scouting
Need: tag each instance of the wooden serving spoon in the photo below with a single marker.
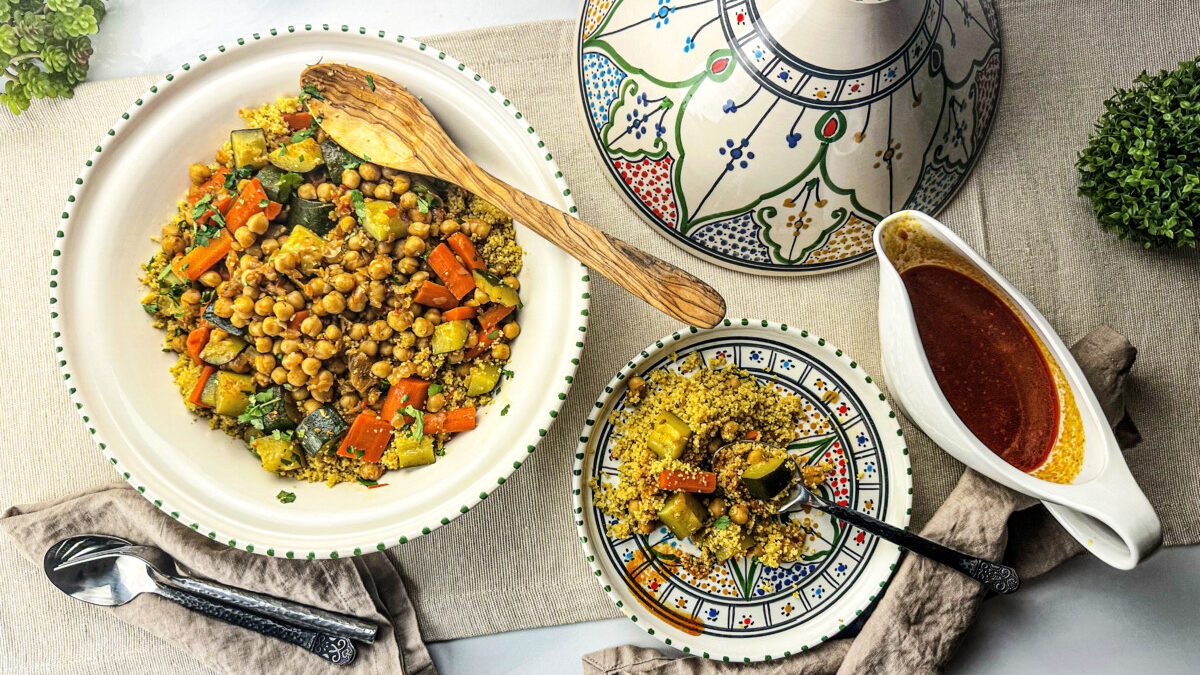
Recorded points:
(380, 121)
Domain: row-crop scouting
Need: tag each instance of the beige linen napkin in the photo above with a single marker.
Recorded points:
(368, 587)
(917, 624)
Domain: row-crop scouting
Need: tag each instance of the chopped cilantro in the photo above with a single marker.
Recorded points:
(260, 405)
(507, 373)
(425, 198)
(504, 410)
(286, 497)
(288, 182)
(435, 389)
(151, 308)
(721, 523)
(207, 296)
(282, 434)
(384, 386)
(368, 483)
(371, 82)
(418, 425)
(264, 203)
(493, 335)
(301, 135)
(360, 205)
(312, 92)
(663, 556)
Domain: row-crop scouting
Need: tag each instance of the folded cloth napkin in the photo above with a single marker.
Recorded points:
(369, 587)
(917, 624)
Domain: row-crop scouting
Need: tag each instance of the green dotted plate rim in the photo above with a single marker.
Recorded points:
(666, 345)
(563, 377)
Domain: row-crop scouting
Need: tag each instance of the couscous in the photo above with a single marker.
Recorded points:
(687, 461)
(343, 318)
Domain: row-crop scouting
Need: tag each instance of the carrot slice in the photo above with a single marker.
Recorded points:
(406, 392)
(208, 187)
(465, 249)
(450, 271)
(682, 481)
(458, 313)
(250, 202)
(272, 210)
(297, 319)
(435, 295)
(486, 338)
(367, 439)
(493, 316)
(452, 421)
(196, 341)
(194, 397)
(297, 121)
(198, 260)
(752, 435)
(222, 204)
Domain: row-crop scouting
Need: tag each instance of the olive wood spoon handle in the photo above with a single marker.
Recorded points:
(381, 122)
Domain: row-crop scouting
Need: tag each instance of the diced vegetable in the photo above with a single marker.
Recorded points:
(208, 187)
(298, 121)
(248, 203)
(405, 392)
(299, 157)
(166, 277)
(220, 352)
(451, 336)
(224, 324)
(208, 395)
(484, 377)
(450, 271)
(277, 454)
(683, 513)
(321, 430)
(383, 221)
(367, 439)
(200, 259)
(458, 313)
(311, 214)
(197, 395)
(279, 409)
(196, 341)
(669, 436)
(306, 245)
(248, 147)
(233, 393)
(412, 452)
(497, 290)
(435, 295)
(277, 183)
(273, 210)
(453, 421)
(483, 343)
(465, 248)
(727, 551)
(766, 479)
(687, 481)
(221, 203)
(337, 160)
(493, 316)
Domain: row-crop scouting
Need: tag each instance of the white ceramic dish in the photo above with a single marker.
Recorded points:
(110, 355)
(744, 611)
(1103, 507)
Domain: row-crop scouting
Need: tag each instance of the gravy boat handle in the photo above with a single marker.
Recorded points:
(1111, 518)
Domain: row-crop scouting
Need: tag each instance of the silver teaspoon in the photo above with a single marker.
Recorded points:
(165, 571)
(998, 578)
(110, 581)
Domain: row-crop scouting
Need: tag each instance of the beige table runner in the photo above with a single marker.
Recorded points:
(514, 561)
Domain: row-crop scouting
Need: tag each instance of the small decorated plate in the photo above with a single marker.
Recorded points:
(745, 611)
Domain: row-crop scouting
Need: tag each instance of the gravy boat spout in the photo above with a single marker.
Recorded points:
(1094, 497)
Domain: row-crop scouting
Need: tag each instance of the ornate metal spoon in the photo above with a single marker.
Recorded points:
(997, 578)
(114, 580)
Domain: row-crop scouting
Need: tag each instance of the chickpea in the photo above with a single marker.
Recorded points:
(310, 366)
(297, 378)
(404, 370)
(358, 331)
(414, 246)
(324, 349)
(716, 508)
(295, 299)
(472, 340)
(381, 369)
(210, 278)
(382, 191)
(272, 326)
(306, 191)
(408, 339)
(358, 299)
(325, 192)
(289, 346)
(300, 394)
(311, 326)
(285, 262)
(223, 307)
(191, 297)
(316, 287)
(264, 306)
(380, 268)
(368, 347)
(279, 375)
(229, 289)
(449, 227)
(400, 183)
(348, 401)
(636, 383)
(263, 345)
(370, 471)
(512, 282)
(422, 327)
(239, 320)
(170, 230)
(425, 370)
(344, 282)
(251, 279)
(729, 430)
(284, 311)
(480, 297)
(258, 223)
(172, 244)
(350, 179)
(310, 406)
(380, 330)
(436, 402)
(199, 173)
(386, 349)
(399, 320)
(417, 216)
(419, 230)
(408, 265)
(501, 351)
(755, 456)
(408, 200)
(333, 332)
(292, 361)
(244, 237)
(369, 171)
(739, 514)
(512, 330)
(346, 224)
(334, 302)
(243, 305)
(269, 246)
(482, 230)
(264, 363)
(377, 293)
(352, 260)
(433, 315)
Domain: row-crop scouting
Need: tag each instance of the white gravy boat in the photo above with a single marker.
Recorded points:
(1102, 507)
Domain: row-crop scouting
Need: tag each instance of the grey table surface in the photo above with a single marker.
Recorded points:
(1083, 617)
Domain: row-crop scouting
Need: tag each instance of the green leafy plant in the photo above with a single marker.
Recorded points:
(1141, 167)
(46, 47)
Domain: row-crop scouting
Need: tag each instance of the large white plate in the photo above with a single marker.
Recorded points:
(743, 611)
(110, 355)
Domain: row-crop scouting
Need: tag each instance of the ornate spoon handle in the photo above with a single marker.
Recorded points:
(335, 649)
(998, 578)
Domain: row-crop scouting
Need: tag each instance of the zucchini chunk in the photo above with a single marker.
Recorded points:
(484, 377)
(233, 393)
(208, 395)
(299, 157)
(683, 513)
(669, 436)
(411, 452)
(497, 290)
(382, 225)
(224, 324)
(248, 147)
(766, 479)
(321, 430)
(280, 412)
(220, 352)
(337, 159)
(277, 454)
(311, 214)
(451, 336)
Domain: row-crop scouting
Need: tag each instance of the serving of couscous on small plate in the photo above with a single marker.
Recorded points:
(677, 511)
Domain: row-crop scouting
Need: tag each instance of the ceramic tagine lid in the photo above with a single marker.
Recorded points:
(770, 136)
